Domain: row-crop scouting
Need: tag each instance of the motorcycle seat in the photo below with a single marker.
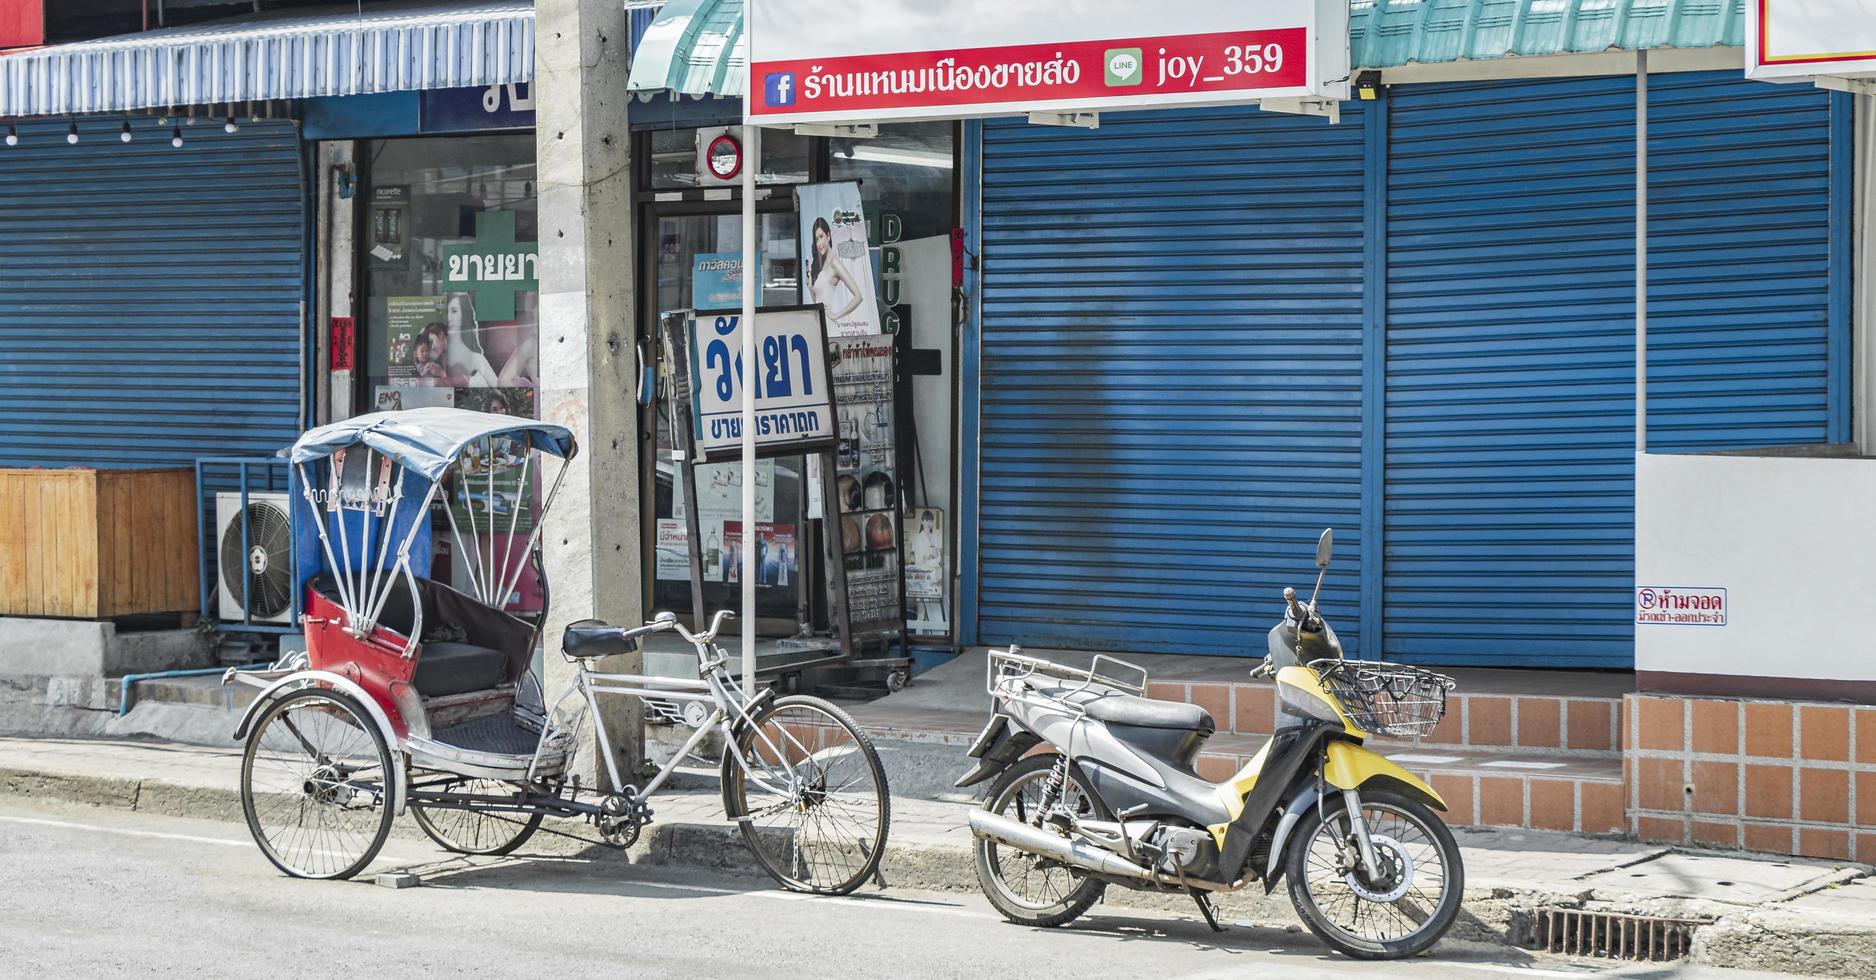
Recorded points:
(1125, 709)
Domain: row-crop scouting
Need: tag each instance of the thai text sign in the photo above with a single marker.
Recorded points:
(1797, 38)
(1678, 606)
(794, 401)
(818, 60)
(493, 268)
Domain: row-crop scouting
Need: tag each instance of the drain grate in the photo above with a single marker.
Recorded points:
(1614, 935)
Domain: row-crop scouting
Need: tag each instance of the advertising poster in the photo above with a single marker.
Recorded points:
(836, 265)
(719, 499)
(716, 280)
(794, 410)
(673, 557)
(866, 484)
(730, 552)
(777, 560)
(925, 572)
(418, 337)
(390, 228)
(493, 488)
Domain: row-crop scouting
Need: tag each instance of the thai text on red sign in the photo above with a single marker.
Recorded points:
(1036, 73)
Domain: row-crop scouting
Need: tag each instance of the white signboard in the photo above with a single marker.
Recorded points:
(1800, 38)
(1678, 606)
(794, 402)
(828, 61)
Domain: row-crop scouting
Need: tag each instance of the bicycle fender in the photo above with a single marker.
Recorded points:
(1350, 766)
(307, 678)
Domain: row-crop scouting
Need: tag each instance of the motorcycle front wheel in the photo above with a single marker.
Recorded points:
(1029, 890)
(1405, 908)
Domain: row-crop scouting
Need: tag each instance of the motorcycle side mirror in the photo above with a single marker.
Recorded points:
(1324, 545)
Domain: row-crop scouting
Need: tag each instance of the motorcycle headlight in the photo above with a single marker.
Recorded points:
(1307, 703)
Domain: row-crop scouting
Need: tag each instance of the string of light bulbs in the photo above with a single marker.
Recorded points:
(231, 124)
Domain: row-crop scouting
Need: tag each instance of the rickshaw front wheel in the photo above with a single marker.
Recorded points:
(316, 784)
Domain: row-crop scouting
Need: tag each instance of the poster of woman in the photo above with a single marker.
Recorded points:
(837, 267)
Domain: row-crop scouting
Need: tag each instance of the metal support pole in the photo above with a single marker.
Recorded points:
(752, 152)
(1641, 251)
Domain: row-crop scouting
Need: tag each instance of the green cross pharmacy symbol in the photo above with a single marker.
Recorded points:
(493, 268)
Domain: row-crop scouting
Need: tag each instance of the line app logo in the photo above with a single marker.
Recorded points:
(1123, 67)
(778, 89)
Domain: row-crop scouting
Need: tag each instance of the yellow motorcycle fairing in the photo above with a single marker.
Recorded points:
(1349, 766)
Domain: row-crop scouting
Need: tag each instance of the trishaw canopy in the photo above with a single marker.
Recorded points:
(427, 440)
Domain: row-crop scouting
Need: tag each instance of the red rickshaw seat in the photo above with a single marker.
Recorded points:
(453, 662)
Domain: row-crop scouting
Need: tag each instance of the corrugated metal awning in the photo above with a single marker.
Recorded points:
(1391, 33)
(693, 47)
(277, 56)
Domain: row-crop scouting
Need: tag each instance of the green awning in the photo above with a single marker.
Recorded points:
(1391, 33)
(693, 47)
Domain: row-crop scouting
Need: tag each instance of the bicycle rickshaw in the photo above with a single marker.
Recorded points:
(418, 694)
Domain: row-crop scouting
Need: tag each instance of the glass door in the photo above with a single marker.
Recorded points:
(691, 251)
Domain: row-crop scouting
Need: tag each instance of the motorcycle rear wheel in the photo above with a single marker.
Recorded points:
(1424, 868)
(1025, 889)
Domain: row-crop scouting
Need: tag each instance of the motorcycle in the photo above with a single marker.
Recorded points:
(1114, 799)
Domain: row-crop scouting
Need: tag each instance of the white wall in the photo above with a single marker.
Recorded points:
(1792, 540)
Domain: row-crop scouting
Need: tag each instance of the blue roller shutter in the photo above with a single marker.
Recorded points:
(1510, 339)
(150, 296)
(1740, 244)
(1171, 377)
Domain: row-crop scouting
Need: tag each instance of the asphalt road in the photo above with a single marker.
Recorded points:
(92, 892)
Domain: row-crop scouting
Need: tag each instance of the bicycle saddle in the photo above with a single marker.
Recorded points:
(590, 638)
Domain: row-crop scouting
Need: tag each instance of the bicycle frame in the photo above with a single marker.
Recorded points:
(730, 708)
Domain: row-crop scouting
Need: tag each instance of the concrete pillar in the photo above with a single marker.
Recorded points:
(588, 360)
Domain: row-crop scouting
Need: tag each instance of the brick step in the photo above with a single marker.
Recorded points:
(1484, 789)
(1541, 723)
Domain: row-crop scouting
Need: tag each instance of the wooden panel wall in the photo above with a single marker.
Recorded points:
(84, 544)
(147, 541)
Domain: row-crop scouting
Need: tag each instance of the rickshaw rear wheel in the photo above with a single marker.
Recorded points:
(476, 831)
(316, 782)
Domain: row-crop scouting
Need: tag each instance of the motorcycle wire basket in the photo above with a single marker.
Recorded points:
(1387, 699)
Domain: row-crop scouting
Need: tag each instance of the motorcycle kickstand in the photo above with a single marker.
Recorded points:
(1204, 902)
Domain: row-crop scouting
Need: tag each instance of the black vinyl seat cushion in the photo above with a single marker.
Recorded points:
(592, 638)
(446, 668)
(1125, 709)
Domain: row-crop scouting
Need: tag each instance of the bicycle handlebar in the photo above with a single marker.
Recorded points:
(667, 621)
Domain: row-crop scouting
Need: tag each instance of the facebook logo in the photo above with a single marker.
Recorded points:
(779, 88)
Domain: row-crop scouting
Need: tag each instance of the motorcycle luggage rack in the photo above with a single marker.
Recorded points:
(1007, 671)
(1386, 699)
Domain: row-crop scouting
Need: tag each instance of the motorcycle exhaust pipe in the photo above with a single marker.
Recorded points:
(1003, 830)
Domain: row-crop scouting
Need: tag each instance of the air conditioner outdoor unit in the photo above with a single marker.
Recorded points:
(266, 563)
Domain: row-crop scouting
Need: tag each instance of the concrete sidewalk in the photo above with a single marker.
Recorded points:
(1792, 915)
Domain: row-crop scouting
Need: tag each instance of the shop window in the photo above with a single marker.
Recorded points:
(674, 157)
(907, 186)
(452, 285)
(451, 294)
(905, 173)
